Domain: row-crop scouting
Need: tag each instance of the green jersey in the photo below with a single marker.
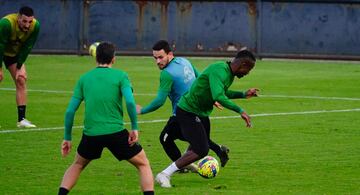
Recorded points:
(101, 89)
(13, 41)
(211, 85)
(175, 79)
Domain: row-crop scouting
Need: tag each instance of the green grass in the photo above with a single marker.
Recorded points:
(297, 152)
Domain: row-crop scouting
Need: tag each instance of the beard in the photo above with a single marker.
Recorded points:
(240, 76)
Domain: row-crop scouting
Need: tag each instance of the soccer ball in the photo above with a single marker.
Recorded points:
(208, 167)
(92, 49)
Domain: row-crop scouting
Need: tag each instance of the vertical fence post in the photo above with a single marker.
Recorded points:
(259, 28)
(84, 26)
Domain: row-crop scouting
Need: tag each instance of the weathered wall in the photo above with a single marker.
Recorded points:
(270, 28)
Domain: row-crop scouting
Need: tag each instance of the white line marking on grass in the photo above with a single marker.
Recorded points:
(37, 90)
(311, 97)
(215, 117)
(153, 94)
(67, 92)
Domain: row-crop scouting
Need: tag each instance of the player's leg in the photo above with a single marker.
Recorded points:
(90, 148)
(141, 162)
(118, 145)
(73, 172)
(168, 136)
(194, 133)
(220, 150)
(21, 92)
(20, 84)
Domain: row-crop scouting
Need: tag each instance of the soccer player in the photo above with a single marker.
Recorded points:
(18, 34)
(102, 90)
(195, 106)
(176, 77)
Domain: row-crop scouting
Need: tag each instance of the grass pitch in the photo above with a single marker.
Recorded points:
(305, 137)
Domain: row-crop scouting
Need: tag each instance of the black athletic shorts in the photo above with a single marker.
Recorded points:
(91, 147)
(194, 129)
(9, 60)
(172, 130)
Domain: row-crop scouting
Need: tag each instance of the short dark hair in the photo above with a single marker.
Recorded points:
(246, 54)
(162, 44)
(27, 11)
(105, 52)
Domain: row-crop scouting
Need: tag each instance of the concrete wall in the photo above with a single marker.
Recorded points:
(324, 29)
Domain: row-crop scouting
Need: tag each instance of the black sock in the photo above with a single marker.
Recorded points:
(21, 112)
(149, 193)
(215, 147)
(63, 191)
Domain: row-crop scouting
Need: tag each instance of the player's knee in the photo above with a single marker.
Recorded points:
(20, 82)
(80, 165)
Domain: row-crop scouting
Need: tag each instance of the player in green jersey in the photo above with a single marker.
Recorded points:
(18, 34)
(176, 78)
(102, 89)
(195, 106)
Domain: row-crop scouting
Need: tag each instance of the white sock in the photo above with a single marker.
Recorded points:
(171, 169)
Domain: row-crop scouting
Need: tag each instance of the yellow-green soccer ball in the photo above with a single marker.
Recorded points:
(208, 167)
(92, 49)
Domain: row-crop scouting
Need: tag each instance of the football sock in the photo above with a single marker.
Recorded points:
(149, 193)
(171, 169)
(21, 112)
(215, 147)
(63, 191)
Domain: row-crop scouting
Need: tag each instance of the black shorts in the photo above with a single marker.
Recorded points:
(172, 130)
(195, 130)
(91, 147)
(8, 61)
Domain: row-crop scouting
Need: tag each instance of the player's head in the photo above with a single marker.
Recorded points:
(242, 64)
(162, 53)
(25, 18)
(105, 53)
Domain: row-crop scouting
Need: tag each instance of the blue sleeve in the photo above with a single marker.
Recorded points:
(69, 117)
(130, 106)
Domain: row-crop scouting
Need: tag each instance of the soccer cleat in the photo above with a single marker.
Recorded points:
(224, 157)
(163, 179)
(192, 168)
(25, 124)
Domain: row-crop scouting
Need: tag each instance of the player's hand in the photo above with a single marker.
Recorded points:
(65, 148)
(218, 105)
(133, 137)
(1, 74)
(252, 92)
(138, 109)
(246, 118)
